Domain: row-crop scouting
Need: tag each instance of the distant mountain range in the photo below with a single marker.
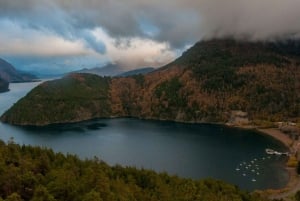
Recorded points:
(140, 71)
(113, 70)
(9, 73)
(207, 83)
(107, 70)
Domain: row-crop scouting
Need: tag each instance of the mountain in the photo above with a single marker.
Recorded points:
(107, 70)
(142, 71)
(114, 70)
(3, 85)
(208, 83)
(10, 74)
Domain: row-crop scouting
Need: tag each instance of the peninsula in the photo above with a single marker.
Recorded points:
(208, 83)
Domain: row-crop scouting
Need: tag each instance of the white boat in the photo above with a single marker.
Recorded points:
(253, 180)
(273, 152)
(270, 151)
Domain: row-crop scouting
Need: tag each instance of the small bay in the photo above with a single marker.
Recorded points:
(188, 150)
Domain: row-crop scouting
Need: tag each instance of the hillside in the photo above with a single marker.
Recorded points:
(10, 74)
(38, 174)
(75, 98)
(3, 85)
(142, 71)
(205, 84)
(107, 70)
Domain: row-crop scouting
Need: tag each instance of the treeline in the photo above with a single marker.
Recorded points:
(38, 174)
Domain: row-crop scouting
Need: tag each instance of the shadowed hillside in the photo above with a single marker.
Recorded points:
(3, 85)
(205, 84)
(10, 74)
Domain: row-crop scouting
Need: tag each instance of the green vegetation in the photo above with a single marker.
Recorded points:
(139, 78)
(73, 98)
(215, 61)
(205, 84)
(169, 91)
(260, 78)
(169, 95)
(34, 174)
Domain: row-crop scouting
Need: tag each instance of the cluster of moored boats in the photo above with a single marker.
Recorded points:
(273, 152)
(250, 169)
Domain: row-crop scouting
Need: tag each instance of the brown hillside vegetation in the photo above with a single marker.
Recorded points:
(205, 84)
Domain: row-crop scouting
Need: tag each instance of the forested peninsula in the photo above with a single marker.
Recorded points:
(206, 84)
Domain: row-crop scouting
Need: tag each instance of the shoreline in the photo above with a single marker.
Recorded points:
(278, 135)
(293, 184)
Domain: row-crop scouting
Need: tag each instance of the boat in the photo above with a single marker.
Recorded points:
(273, 152)
(270, 151)
(253, 180)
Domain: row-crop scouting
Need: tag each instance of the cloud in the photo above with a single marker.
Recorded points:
(157, 26)
(255, 19)
(176, 21)
(17, 40)
(135, 52)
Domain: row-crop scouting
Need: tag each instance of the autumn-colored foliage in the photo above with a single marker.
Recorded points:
(205, 84)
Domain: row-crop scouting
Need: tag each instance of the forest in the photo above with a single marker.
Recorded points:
(208, 82)
(30, 173)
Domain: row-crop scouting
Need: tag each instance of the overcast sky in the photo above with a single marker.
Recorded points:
(62, 35)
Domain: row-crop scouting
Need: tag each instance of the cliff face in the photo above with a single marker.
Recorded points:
(205, 84)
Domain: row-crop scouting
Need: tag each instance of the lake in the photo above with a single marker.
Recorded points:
(189, 150)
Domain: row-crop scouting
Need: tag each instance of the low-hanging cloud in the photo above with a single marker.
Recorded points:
(179, 21)
(176, 22)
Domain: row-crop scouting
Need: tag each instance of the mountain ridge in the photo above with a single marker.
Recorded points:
(208, 82)
(4, 86)
(9, 73)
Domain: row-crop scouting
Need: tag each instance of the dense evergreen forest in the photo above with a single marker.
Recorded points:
(38, 174)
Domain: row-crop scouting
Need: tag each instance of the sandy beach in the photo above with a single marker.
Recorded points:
(294, 181)
(277, 134)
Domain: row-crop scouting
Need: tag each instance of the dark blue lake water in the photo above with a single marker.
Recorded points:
(188, 150)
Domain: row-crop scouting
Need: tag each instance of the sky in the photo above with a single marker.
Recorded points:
(56, 36)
